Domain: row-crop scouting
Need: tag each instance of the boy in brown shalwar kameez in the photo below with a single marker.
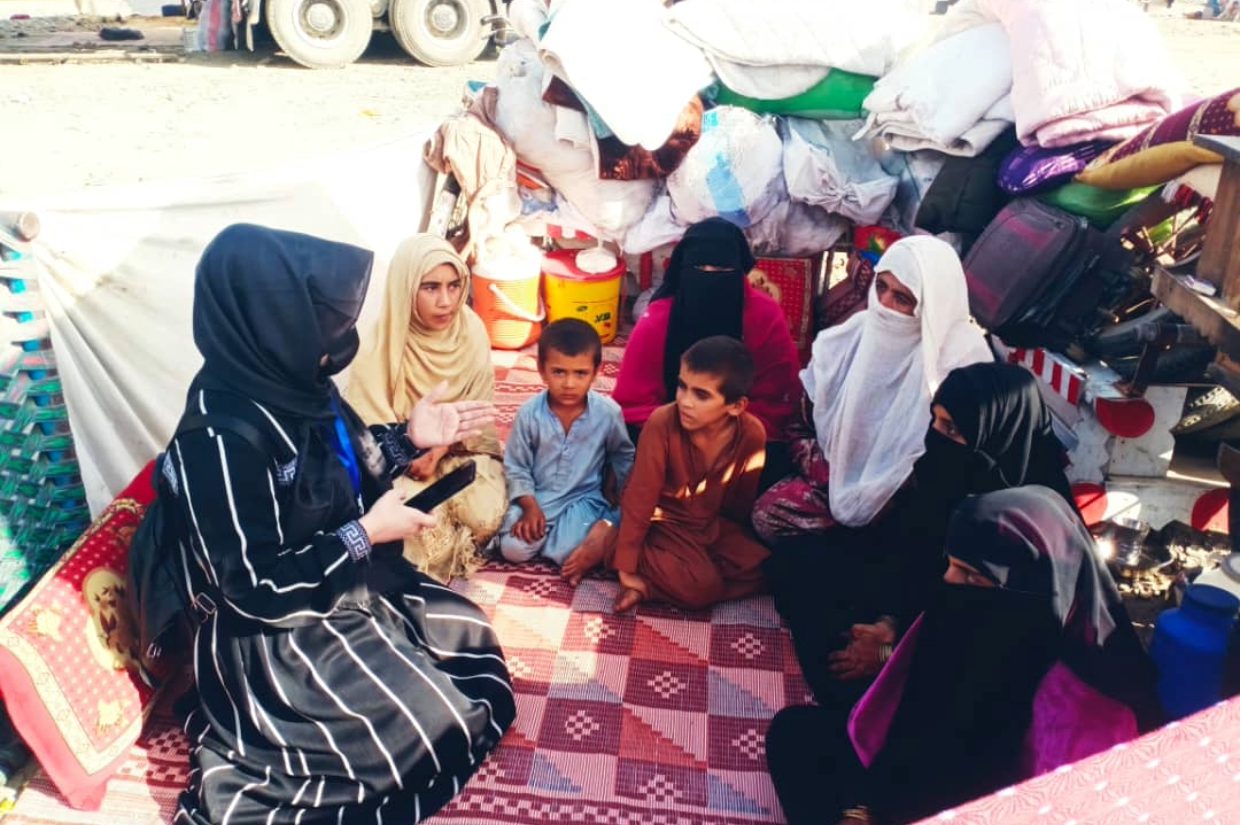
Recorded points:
(683, 536)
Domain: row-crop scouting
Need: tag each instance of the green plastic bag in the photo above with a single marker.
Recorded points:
(1101, 207)
(838, 96)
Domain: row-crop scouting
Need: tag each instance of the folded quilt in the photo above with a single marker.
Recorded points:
(952, 96)
(781, 48)
(969, 145)
(1113, 123)
(1082, 71)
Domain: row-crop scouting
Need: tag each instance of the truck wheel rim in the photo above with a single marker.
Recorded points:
(445, 18)
(322, 19)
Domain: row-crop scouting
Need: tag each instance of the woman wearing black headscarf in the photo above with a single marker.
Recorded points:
(335, 682)
(705, 292)
(990, 431)
(1025, 608)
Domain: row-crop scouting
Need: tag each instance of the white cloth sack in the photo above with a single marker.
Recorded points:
(824, 166)
(796, 230)
(527, 17)
(116, 272)
(626, 63)
(947, 97)
(734, 171)
(871, 378)
(531, 125)
(916, 172)
(657, 228)
(780, 48)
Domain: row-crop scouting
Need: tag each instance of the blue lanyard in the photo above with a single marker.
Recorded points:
(344, 450)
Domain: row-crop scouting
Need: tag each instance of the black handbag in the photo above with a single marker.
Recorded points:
(158, 582)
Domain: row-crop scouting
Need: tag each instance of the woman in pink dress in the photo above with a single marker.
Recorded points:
(706, 292)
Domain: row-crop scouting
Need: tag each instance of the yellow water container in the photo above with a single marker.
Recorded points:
(585, 284)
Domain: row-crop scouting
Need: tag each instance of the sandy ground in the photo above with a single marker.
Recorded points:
(66, 127)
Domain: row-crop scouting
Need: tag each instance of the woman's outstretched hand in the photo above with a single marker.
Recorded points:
(434, 423)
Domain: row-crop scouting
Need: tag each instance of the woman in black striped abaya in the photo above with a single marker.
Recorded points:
(336, 683)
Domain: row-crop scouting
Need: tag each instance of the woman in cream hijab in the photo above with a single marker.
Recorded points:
(427, 337)
(868, 387)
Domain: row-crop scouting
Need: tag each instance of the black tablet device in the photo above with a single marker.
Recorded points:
(445, 488)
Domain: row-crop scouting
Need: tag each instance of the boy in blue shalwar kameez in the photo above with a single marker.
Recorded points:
(562, 442)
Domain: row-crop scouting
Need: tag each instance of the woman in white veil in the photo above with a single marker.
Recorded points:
(868, 387)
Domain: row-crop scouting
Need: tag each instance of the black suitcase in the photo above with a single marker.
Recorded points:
(1040, 277)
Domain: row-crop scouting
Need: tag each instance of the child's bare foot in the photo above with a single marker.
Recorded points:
(589, 554)
(633, 590)
(627, 600)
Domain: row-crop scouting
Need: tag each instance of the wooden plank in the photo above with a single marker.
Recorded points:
(1219, 323)
(1220, 255)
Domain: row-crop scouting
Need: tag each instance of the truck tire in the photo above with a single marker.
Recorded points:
(441, 32)
(321, 34)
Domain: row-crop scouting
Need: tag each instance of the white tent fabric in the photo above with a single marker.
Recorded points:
(117, 275)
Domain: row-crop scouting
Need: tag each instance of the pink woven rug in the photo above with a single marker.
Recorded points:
(658, 718)
(652, 718)
(1188, 771)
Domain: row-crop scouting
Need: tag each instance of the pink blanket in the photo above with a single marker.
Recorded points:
(1082, 71)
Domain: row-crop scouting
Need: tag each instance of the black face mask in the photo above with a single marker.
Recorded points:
(944, 475)
(946, 465)
(341, 354)
(974, 612)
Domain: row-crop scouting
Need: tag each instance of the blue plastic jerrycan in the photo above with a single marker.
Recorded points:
(1190, 648)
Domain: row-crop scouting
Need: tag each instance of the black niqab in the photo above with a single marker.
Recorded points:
(999, 410)
(981, 653)
(959, 729)
(1028, 540)
(704, 303)
(268, 305)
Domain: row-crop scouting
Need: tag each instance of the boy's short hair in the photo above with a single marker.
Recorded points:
(725, 358)
(570, 336)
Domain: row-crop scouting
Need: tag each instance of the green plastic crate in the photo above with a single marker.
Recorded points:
(42, 500)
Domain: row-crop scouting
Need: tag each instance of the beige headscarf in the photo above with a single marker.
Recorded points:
(403, 359)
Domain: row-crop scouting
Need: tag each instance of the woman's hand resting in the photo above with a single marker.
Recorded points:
(388, 519)
(863, 656)
(434, 423)
(424, 466)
